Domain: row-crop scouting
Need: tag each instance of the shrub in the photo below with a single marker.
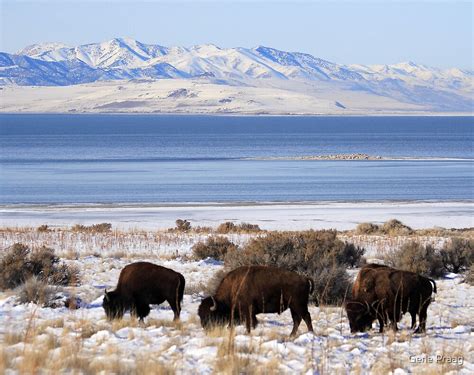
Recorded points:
(95, 228)
(316, 254)
(469, 277)
(43, 228)
(20, 264)
(64, 274)
(414, 257)
(247, 227)
(101, 228)
(79, 228)
(214, 247)
(350, 255)
(35, 290)
(14, 268)
(395, 228)
(226, 227)
(230, 227)
(182, 225)
(367, 228)
(458, 254)
(332, 284)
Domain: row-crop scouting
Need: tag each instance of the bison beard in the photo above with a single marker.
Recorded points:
(141, 284)
(251, 290)
(385, 294)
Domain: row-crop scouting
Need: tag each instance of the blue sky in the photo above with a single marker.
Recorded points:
(436, 33)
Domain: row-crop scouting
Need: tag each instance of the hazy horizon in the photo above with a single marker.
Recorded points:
(433, 33)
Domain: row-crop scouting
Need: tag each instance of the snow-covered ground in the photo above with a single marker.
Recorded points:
(200, 96)
(35, 339)
(290, 216)
(59, 340)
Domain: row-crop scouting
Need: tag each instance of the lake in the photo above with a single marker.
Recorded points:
(48, 159)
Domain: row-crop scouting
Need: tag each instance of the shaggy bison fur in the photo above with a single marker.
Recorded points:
(141, 284)
(251, 290)
(385, 294)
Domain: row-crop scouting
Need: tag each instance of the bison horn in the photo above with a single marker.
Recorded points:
(214, 306)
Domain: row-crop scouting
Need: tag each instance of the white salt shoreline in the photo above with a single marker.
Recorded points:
(272, 216)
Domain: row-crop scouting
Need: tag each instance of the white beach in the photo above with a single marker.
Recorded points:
(271, 216)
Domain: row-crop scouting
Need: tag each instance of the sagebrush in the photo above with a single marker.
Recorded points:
(395, 228)
(458, 254)
(391, 227)
(367, 228)
(35, 290)
(214, 247)
(94, 228)
(415, 257)
(182, 225)
(20, 263)
(230, 227)
(469, 276)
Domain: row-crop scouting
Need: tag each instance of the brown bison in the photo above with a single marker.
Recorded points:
(385, 294)
(251, 290)
(141, 284)
(365, 282)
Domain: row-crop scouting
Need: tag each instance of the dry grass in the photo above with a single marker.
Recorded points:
(161, 243)
(148, 364)
(134, 243)
(73, 352)
(71, 355)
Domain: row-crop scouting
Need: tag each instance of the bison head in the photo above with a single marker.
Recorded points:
(212, 312)
(359, 315)
(112, 305)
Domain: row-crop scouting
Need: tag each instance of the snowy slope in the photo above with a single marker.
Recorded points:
(199, 96)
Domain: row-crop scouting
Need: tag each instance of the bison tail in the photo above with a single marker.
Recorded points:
(311, 285)
(434, 285)
(180, 288)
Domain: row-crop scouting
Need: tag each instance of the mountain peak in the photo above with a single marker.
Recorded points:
(207, 47)
(39, 48)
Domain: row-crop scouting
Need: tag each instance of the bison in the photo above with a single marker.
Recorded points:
(141, 284)
(385, 294)
(251, 290)
(365, 282)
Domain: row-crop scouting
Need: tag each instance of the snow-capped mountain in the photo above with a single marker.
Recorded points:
(56, 64)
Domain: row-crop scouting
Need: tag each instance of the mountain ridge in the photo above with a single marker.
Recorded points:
(119, 59)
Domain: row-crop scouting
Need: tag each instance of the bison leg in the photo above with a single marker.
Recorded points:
(248, 319)
(413, 319)
(176, 307)
(381, 324)
(307, 320)
(296, 322)
(254, 321)
(423, 315)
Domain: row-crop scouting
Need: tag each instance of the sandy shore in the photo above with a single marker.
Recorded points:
(272, 216)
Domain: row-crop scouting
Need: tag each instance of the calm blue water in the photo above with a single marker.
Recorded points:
(152, 159)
